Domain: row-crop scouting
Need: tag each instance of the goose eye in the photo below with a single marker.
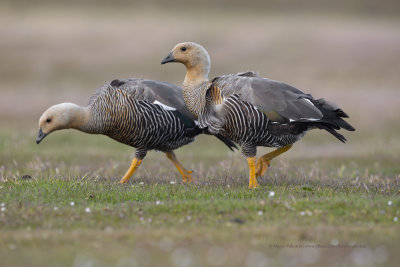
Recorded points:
(183, 48)
(48, 120)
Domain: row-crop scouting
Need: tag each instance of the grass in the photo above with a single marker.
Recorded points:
(84, 215)
(70, 211)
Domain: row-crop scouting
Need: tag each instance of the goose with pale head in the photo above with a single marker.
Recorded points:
(252, 110)
(144, 114)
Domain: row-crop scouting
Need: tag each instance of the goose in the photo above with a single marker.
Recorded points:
(252, 110)
(144, 114)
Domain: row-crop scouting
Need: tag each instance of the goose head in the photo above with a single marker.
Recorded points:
(58, 117)
(195, 58)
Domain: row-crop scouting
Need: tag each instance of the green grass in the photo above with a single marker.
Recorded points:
(206, 204)
(338, 203)
(39, 216)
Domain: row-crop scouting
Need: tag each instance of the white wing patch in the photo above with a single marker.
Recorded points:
(308, 119)
(309, 101)
(166, 107)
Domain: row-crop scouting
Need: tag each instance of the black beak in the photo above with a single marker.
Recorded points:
(40, 136)
(169, 58)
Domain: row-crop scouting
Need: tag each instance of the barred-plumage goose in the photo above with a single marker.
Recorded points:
(144, 114)
(252, 110)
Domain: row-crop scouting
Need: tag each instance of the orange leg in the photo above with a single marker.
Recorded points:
(252, 170)
(264, 161)
(134, 165)
(186, 177)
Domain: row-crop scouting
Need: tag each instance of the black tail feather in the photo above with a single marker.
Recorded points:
(343, 124)
(228, 142)
(335, 118)
(331, 121)
(332, 115)
(330, 129)
(192, 132)
(341, 113)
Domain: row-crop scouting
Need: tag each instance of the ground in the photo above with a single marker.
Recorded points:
(71, 211)
(321, 203)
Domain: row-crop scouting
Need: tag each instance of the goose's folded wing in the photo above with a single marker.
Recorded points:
(280, 102)
(167, 95)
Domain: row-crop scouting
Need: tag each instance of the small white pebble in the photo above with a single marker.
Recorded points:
(302, 213)
(141, 183)
(172, 182)
(88, 210)
(55, 208)
(395, 219)
(389, 202)
(2, 204)
(3, 208)
(158, 202)
(188, 217)
(260, 213)
(72, 203)
(271, 194)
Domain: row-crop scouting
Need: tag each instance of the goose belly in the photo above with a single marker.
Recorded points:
(151, 127)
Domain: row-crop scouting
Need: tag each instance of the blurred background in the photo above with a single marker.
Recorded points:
(345, 51)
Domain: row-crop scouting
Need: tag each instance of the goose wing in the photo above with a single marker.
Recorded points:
(167, 95)
(280, 102)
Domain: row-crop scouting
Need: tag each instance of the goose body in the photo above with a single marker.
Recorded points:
(134, 112)
(144, 114)
(255, 111)
(252, 110)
